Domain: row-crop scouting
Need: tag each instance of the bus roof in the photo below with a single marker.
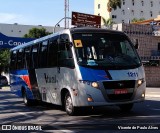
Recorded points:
(95, 30)
(34, 41)
(72, 30)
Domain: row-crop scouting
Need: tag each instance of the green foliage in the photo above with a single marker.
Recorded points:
(113, 4)
(36, 33)
(108, 23)
(137, 20)
(4, 60)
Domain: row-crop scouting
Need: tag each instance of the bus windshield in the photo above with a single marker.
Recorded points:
(113, 51)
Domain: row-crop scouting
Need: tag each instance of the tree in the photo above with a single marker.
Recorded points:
(36, 33)
(113, 4)
(137, 20)
(4, 60)
(108, 23)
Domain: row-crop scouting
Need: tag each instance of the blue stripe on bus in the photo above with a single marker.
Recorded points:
(93, 74)
(19, 72)
(20, 78)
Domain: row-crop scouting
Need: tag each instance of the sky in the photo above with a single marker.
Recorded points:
(40, 12)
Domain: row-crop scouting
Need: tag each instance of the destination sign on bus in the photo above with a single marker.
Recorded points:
(81, 19)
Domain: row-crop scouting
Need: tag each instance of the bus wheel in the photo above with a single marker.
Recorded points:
(26, 101)
(70, 109)
(126, 107)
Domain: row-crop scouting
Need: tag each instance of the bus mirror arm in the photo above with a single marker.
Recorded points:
(136, 44)
(70, 44)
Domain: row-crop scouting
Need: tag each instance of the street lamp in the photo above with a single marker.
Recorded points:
(59, 22)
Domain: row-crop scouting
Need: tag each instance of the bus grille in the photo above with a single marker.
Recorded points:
(119, 84)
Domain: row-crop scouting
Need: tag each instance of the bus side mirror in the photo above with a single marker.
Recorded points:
(136, 44)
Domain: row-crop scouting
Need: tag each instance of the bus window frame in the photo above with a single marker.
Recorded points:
(20, 59)
(34, 60)
(13, 61)
(41, 57)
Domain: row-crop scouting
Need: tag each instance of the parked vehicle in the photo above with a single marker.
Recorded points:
(3, 81)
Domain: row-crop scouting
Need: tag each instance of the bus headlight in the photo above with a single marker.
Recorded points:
(140, 82)
(91, 83)
(94, 84)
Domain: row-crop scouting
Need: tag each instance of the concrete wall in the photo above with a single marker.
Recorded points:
(152, 76)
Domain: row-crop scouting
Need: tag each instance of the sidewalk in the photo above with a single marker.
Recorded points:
(7, 88)
(153, 92)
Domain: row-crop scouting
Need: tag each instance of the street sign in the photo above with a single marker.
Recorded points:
(81, 19)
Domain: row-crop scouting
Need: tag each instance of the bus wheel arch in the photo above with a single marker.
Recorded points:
(64, 91)
(67, 102)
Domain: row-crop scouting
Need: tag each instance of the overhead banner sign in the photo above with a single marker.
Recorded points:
(81, 19)
(10, 42)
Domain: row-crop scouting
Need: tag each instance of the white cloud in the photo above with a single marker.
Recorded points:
(9, 17)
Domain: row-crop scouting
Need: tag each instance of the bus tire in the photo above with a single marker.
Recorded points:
(26, 101)
(68, 104)
(126, 107)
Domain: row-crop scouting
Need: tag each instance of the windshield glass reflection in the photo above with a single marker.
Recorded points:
(105, 50)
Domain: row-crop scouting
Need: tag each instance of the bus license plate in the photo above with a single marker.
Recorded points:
(120, 91)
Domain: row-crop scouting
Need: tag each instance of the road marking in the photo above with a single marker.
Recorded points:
(21, 113)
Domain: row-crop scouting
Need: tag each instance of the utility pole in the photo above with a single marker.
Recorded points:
(66, 13)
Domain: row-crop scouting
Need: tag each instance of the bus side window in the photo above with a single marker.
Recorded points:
(20, 59)
(43, 54)
(27, 55)
(13, 61)
(52, 52)
(34, 56)
(65, 57)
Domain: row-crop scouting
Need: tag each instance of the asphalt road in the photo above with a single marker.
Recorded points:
(144, 117)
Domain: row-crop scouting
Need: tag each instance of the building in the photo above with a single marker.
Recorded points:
(129, 10)
(11, 35)
(18, 30)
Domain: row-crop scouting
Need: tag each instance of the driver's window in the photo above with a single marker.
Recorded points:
(65, 52)
(127, 49)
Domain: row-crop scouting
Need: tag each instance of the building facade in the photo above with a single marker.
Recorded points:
(129, 10)
(12, 35)
(18, 30)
